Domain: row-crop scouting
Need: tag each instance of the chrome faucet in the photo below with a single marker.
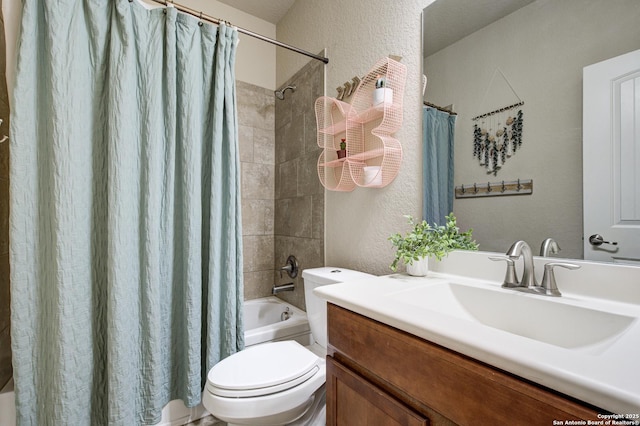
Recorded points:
(521, 248)
(528, 283)
(549, 245)
(284, 287)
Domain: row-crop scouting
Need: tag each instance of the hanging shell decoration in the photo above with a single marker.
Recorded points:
(497, 137)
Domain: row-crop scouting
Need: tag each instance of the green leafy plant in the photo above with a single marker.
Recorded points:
(343, 144)
(425, 240)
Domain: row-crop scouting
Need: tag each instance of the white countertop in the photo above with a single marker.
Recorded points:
(606, 376)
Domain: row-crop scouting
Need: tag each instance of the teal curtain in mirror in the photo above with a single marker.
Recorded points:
(126, 250)
(437, 164)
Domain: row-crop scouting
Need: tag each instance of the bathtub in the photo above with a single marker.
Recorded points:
(263, 322)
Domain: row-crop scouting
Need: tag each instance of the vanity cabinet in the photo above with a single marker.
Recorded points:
(375, 371)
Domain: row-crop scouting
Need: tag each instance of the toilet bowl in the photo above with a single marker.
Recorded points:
(277, 383)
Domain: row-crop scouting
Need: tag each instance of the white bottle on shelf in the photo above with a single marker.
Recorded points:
(381, 94)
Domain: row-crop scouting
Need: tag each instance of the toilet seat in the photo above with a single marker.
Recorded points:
(263, 370)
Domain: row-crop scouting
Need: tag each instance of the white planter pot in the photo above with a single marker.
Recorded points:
(419, 268)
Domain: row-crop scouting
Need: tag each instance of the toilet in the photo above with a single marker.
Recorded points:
(278, 383)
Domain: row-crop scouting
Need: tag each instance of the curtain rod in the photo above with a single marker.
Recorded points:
(439, 108)
(209, 18)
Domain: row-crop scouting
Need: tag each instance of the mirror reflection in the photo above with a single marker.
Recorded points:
(480, 56)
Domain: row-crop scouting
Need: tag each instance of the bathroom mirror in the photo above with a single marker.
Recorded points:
(481, 55)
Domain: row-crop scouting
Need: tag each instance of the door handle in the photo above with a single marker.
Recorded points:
(597, 240)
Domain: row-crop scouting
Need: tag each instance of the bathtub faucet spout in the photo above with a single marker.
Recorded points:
(284, 287)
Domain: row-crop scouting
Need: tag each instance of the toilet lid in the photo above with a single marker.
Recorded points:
(263, 369)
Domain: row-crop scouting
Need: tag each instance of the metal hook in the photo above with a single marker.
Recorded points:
(200, 23)
(462, 188)
(348, 89)
(489, 187)
(356, 82)
(519, 186)
(475, 188)
(503, 187)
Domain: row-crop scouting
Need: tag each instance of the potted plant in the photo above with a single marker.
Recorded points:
(342, 152)
(424, 241)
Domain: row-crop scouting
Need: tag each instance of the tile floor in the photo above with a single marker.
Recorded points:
(207, 421)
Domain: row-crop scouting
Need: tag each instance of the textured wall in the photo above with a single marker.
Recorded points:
(5, 339)
(356, 34)
(542, 58)
(299, 207)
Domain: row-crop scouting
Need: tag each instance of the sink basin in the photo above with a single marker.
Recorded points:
(583, 344)
(535, 317)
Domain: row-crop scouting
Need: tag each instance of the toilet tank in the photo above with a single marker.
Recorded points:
(317, 307)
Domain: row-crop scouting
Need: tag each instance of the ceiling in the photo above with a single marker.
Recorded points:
(452, 19)
(268, 10)
(447, 21)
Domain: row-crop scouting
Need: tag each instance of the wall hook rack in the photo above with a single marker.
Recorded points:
(495, 189)
(348, 88)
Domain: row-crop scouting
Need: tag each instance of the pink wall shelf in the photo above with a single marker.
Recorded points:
(373, 155)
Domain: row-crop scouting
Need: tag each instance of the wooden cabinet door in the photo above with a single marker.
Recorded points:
(353, 401)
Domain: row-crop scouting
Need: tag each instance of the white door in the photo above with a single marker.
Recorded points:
(611, 159)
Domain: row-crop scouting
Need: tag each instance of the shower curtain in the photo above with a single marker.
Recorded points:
(126, 266)
(437, 164)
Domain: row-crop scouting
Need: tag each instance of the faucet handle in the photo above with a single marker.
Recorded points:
(549, 279)
(291, 267)
(510, 278)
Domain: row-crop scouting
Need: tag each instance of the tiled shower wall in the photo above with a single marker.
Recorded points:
(5, 340)
(299, 196)
(256, 118)
(282, 199)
